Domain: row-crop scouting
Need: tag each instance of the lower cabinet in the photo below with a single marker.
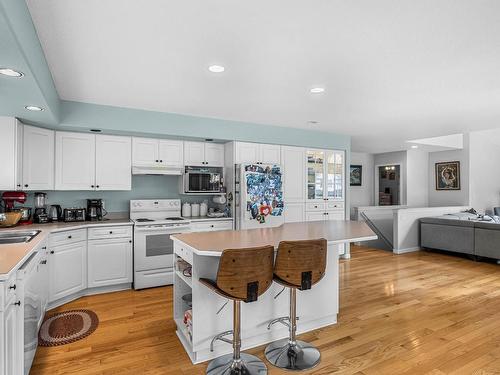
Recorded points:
(294, 212)
(9, 334)
(211, 225)
(109, 262)
(324, 216)
(68, 269)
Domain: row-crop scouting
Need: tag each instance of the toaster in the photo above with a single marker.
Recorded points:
(74, 214)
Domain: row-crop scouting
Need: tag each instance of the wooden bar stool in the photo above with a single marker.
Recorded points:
(299, 265)
(243, 275)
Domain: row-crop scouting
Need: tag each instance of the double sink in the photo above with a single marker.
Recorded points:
(17, 236)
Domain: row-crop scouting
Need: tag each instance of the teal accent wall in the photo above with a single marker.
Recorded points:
(143, 187)
(76, 116)
(20, 49)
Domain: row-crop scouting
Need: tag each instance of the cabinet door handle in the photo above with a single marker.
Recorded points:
(25, 185)
(97, 186)
(70, 237)
(18, 185)
(52, 251)
(13, 287)
(161, 161)
(156, 160)
(43, 262)
(18, 303)
(129, 241)
(211, 226)
(110, 232)
(92, 186)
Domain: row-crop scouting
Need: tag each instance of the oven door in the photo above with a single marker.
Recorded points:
(202, 182)
(154, 247)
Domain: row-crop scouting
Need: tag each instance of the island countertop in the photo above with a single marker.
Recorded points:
(335, 231)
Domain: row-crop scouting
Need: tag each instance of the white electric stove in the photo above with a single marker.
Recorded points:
(155, 221)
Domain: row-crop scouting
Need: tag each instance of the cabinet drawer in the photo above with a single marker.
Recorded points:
(65, 238)
(110, 232)
(334, 205)
(184, 253)
(8, 290)
(209, 226)
(311, 206)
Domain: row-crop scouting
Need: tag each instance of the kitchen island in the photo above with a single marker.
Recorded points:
(197, 256)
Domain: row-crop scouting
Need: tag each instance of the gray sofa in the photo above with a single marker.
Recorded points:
(461, 233)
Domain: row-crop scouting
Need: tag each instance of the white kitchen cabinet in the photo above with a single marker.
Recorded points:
(109, 262)
(203, 154)
(246, 152)
(211, 225)
(11, 146)
(294, 212)
(149, 152)
(38, 158)
(325, 175)
(145, 151)
(171, 153)
(68, 269)
(9, 363)
(75, 161)
(315, 216)
(293, 163)
(113, 163)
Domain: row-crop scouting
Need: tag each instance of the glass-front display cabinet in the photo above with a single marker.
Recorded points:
(325, 171)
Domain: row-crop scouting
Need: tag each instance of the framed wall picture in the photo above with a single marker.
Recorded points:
(356, 175)
(448, 175)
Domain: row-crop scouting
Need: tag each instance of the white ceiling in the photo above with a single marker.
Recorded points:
(394, 70)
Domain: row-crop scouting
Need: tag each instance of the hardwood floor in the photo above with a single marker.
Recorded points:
(418, 313)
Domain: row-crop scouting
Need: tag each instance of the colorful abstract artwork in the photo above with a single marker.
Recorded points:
(264, 191)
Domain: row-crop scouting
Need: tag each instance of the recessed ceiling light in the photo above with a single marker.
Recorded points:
(10, 72)
(216, 68)
(414, 146)
(317, 90)
(33, 108)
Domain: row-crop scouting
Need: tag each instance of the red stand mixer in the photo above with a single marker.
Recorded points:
(9, 199)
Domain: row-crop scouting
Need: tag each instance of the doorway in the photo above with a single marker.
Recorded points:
(389, 185)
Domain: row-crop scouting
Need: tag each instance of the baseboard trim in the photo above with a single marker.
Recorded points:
(88, 292)
(407, 250)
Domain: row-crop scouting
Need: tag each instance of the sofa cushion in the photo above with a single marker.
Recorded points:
(447, 220)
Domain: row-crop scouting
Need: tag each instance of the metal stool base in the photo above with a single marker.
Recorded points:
(247, 365)
(298, 357)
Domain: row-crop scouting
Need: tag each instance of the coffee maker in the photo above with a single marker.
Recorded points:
(40, 215)
(95, 209)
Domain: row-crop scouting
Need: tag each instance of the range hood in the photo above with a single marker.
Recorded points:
(156, 170)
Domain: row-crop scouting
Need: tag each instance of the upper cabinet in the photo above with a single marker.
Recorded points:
(258, 153)
(11, 146)
(38, 159)
(149, 152)
(77, 156)
(75, 161)
(113, 160)
(203, 154)
(293, 163)
(325, 175)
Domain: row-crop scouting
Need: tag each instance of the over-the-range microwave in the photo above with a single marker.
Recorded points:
(202, 180)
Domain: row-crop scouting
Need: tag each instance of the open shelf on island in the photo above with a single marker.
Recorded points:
(187, 280)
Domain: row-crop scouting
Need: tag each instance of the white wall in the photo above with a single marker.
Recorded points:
(417, 178)
(485, 169)
(450, 197)
(388, 158)
(363, 195)
(406, 225)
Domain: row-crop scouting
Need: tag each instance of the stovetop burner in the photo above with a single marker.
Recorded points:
(143, 220)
